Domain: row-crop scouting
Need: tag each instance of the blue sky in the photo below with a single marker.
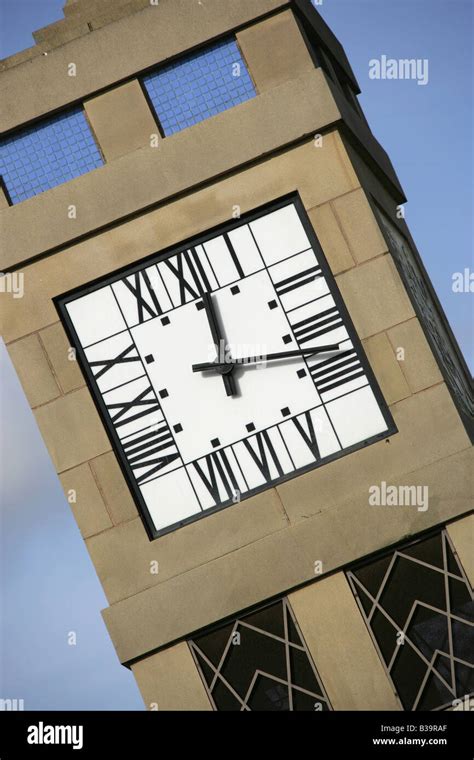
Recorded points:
(48, 584)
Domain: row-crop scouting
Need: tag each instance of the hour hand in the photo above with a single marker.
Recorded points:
(224, 369)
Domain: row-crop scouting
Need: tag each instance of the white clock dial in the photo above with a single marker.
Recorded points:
(185, 446)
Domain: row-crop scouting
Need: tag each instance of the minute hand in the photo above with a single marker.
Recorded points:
(259, 359)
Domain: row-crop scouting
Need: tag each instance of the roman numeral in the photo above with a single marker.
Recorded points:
(150, 452)
(218, 476)
(122, 358)
(266, 452)
(308, 435)
(128, 411)
(234, 256)
(313, 327)
(146, 301)
(298, 280)
(190, 274)
(336, 371)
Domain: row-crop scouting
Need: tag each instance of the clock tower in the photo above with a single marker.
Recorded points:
(251, 395)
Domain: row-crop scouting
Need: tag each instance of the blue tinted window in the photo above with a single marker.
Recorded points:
(47, 153)
(199, 85)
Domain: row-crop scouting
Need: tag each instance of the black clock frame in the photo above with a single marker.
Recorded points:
(62, 300)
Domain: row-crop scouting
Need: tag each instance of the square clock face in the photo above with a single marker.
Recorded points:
(187, 445)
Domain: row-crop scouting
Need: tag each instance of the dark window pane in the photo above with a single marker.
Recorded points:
(372, 575)
(365, 600)
(407, 673)
(410, 581)
(302, 674)
(213, 644)
(293, 634)
(206, 670)
(224, 699)
(268, 619)
(429, 632)
(461, 603)
(463, 643)
(464, 676)
(255, 652)
(430, 550)
(385, 634)
(453, 565)
(269, 695)
(305, 702)
(435, 694)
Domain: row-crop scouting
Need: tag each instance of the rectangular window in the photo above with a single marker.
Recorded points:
(259, 662)
(199, 85)
(417, 604)
(48, 153)
(431, 316)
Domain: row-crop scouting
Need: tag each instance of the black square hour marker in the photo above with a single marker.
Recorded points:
(199, 305)
(165, 321)
(163, 393)
(301, 373)
(287, 339)
(273, 304)
(285, 412)
(177, 428)
(215, 442)
(250, 427)
(149, 359)
(234, 290)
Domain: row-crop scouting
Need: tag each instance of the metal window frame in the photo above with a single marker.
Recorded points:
(394, 552)
(240, 620)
